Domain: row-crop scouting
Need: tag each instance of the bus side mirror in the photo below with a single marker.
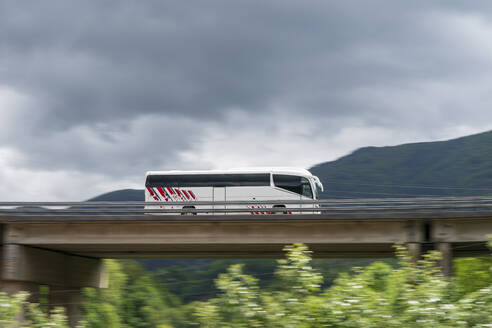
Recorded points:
(318, 183)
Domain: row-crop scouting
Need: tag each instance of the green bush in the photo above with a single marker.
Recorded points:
(12, 308)
(411, 295)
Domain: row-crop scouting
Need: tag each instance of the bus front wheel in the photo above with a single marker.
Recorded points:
(188, 210)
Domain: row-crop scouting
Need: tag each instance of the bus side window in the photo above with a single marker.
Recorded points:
(306, 188)
(288, 182)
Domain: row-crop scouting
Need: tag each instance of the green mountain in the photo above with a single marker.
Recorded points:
(124, 195)
(458, 167)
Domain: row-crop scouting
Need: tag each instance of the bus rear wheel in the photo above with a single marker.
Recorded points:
(279, 206)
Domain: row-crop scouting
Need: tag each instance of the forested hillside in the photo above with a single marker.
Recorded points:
(124, 195)
(455, 167)
(458, 167)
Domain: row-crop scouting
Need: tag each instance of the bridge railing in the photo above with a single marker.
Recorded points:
(370, 205)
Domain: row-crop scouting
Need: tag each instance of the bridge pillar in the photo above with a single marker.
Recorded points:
(26, 268)
(70, 299)
(415, 251)
(447, 258)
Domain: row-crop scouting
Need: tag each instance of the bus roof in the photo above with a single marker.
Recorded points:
(274, 170)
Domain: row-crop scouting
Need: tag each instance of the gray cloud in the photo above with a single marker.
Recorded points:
(115, 88)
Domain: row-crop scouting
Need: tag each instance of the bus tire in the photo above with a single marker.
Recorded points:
(279, 206)
(188, 210)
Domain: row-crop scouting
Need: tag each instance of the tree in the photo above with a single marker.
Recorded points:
(472, 274)
(11, 309)
(102, 307)
(411, 295)
(134, 299)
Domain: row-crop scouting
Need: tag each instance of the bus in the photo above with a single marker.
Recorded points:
(244, 184)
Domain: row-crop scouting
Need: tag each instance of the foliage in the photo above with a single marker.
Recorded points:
(190, 279)
(471, 274)
(133, 300)
(13, 308)
(412, 295)
(10, 307)
(102, 307)
(379, 295)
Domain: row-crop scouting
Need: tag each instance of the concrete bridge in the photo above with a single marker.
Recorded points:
(63, 247)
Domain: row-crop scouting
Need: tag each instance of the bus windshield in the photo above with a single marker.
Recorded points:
(315, 191)
(293, 183)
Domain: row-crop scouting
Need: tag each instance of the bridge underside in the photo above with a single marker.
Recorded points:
(360, 250)
(176, 237)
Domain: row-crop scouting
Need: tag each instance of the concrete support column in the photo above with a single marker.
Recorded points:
(26, 269)
(70, 299)
(415, 251)
(13, 287)
(447, 258)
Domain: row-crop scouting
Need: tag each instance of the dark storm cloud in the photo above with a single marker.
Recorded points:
(109, 82)
(93, 60)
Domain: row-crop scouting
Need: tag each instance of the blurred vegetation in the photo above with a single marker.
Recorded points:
(12, 308)
(471, 274)
(394, 294)
(190, 279)
(133, 299)
(380, 294)
(412, 295)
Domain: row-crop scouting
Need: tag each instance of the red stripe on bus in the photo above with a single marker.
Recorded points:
(153, 194)
(156, 194)
(170, 190)
(192, 194)
(186, 194)
(168, 195)
(163, 193)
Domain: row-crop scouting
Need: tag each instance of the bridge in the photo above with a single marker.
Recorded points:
(61, 244)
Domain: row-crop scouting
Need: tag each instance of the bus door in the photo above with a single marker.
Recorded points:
(306, 194)
(219, 196)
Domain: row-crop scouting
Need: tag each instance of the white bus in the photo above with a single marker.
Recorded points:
(249, 184)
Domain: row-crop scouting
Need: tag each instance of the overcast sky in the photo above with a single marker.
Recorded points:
(95, 93)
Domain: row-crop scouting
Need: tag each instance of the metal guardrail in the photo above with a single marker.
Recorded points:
(371, 205)
(470, 199)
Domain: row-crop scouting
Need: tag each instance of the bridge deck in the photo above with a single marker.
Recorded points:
(346, 227)
(328, 235)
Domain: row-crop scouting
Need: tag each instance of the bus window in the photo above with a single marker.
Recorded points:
(306, 188)
(288, 182)
(209, 180)
(293, 183)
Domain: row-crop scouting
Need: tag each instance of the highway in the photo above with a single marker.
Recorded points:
(339, 228)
